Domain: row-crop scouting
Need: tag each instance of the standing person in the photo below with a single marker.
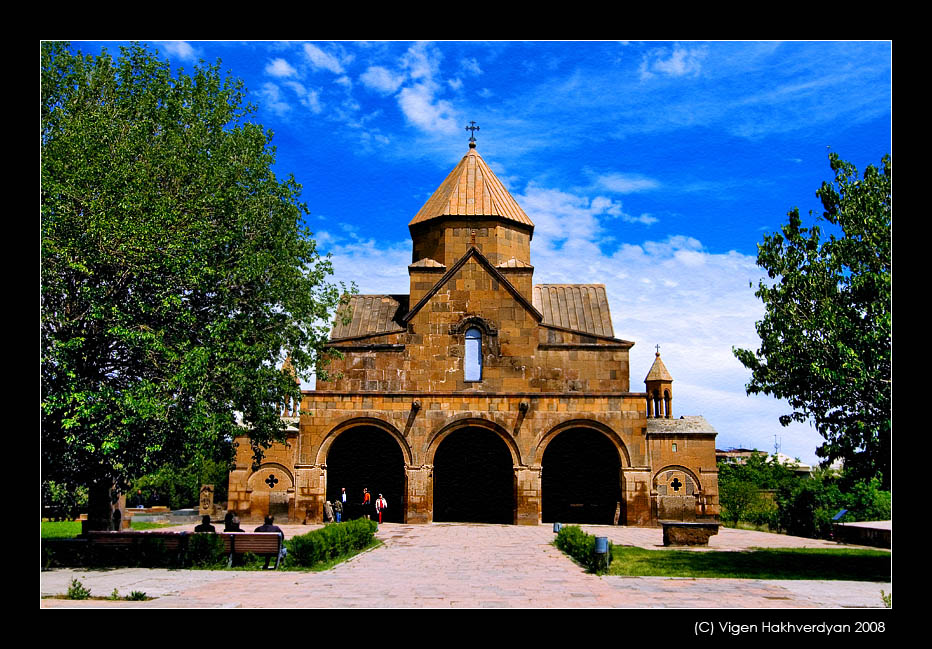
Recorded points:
(366, 501)
(380, 506)
(338, 510)
(328, 511)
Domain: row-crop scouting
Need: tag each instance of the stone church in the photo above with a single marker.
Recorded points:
(482, 396)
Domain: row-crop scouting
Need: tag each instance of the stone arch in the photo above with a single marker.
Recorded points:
(485, 326)
(549, 436)
(473, 472)
(356, 422)
(366, 452)
(669, 472)
(581, 480)
(272, 490)
(472, 422)
(676, 492)
(277, 468)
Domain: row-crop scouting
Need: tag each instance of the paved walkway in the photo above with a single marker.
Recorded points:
(461, 565)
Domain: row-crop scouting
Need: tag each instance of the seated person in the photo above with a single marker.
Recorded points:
(231, 523)
(269, 526)
(205, 525)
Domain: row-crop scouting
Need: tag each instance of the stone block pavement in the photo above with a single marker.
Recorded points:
(463, 565)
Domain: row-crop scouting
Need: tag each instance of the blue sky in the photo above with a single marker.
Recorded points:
(652, 167)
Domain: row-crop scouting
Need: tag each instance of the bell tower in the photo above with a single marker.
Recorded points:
(659, 385)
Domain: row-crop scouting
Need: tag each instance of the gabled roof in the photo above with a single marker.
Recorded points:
(579, 307)
(471, 189)
(367, 315)
(473, 252)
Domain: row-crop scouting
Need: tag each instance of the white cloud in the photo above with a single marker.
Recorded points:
(322, 60)
(280, 68)
(308, 98)
(678, 63)
(422, 61)
(179, 49)
(271, 96)
(423, 110)
(381, 80)
(623, 183)
(470, 66)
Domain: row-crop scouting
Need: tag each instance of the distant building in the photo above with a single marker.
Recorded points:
(741, 455)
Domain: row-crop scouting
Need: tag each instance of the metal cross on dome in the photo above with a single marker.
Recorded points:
(473, 128)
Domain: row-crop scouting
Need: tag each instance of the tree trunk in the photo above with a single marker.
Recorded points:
(106, 508)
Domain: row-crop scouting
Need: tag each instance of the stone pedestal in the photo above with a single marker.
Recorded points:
(687, 533)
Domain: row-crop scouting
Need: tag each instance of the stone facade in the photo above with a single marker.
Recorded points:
(407, 386)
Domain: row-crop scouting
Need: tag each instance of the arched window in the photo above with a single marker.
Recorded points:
(472, 358)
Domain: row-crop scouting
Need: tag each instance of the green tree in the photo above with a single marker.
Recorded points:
(740, 486)
(826, 333)
(176, 273)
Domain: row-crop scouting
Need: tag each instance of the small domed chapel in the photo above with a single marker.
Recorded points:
(481, 396)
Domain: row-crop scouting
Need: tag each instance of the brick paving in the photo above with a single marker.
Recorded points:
(461, 565)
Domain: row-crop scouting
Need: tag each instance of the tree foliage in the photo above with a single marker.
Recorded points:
(826, 333)
(176, 274)
(741, 486)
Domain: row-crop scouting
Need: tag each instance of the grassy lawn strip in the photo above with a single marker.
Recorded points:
(831, 564)
(71, 529)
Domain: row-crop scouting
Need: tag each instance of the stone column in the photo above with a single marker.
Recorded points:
(310, 492)
(527, 481)
(636, 492)
(419, 481)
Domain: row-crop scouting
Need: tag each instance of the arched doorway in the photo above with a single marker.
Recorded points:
(580, 478)
(367, 457)
(474, 479)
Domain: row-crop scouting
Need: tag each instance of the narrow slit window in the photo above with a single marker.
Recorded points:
(472, 358)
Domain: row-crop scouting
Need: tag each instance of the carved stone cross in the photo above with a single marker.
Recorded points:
(271, 481)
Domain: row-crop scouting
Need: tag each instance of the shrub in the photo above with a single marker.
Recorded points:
(581, 546)
(329, 542)
(206, 551)
(807, 506)
(137, 596)
(77, 590)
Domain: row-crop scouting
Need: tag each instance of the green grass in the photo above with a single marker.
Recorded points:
(60, 529)
(70, 529)
(830, 564)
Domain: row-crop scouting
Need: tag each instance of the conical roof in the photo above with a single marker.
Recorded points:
(471, 189)
(658, 371)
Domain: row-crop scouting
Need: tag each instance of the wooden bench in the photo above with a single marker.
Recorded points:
(170, 542)
(262, 544)
(688, 532)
